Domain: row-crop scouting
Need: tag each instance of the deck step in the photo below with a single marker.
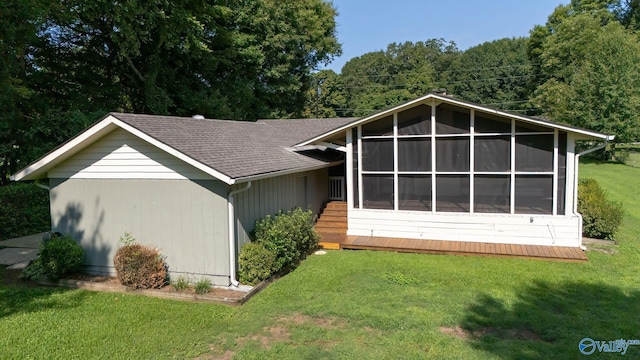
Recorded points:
(329, 245)
(340, 205)
(331, 230)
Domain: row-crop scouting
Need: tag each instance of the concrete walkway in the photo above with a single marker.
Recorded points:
(19, 252)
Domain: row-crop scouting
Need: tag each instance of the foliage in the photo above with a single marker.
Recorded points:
(181, 284)
(255, 263)
(289, 235)
(589, 70)
(140, 267)
(496, 74)
(24, 210)
(381, 79)
(59, 256)
(203, 286)
(601, 217)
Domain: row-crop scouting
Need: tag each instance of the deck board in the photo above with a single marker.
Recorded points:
(558, 253)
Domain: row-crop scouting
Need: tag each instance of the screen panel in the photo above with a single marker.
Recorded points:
(562, 172)
(452, 193)
(492, 153)
(377, 154)
(382, 127)
(452, 154)
(534, 194)
(414, 192)
(492, 194)
(415, 121)
(487, 123)
(414, 154)
(534, 152)
(452, 120)
(377, 191)
(354, 147)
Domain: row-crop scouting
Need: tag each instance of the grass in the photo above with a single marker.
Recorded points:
(361, 304)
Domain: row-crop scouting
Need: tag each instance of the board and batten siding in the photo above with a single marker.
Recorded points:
(490, 228)
(185, 220)
(121, 155)
(307, 190)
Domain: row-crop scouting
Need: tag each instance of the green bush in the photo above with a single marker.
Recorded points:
(600, 217)
(58, 257)
(203, 286)
(255, 263)
(138, 266)
(290, 235)
(24, 210)
(181, 284)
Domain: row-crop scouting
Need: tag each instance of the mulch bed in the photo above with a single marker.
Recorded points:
(111, 284)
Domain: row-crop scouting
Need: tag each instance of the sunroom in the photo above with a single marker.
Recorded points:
(441, 169)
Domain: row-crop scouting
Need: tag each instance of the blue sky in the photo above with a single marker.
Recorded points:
(370, 25)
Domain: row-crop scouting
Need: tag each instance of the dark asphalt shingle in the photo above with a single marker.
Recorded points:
(236, 148)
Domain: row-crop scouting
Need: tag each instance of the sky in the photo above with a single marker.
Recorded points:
(370, 25)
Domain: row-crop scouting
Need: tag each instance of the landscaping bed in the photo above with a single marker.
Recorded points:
(111, 284)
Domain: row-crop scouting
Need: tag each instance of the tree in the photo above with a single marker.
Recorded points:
(494, 73)
(325, 98)
(591, 73)
(240, 60)
(381, 79)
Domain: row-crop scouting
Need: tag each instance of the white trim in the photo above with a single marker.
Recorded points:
(554, 198)
(434, 97)
(244, 179)
(360, 206)
(332, 146)
(396, 198)
(472, 162)
(433, 156)
(349, 170)
(512, 195)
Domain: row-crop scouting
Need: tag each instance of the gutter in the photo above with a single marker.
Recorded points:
(37, 182)
(575, 183)
(232, 234)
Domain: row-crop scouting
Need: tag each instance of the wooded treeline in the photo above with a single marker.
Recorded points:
(64, 64)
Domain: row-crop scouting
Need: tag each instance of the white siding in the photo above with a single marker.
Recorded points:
(121, 155)
(502, 229)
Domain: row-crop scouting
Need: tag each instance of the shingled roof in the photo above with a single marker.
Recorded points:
(232, 149)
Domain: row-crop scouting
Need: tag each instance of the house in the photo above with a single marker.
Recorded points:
(434, 168)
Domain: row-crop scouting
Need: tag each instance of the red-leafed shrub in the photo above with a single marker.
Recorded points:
(140, 267)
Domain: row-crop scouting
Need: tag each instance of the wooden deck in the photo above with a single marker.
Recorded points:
(557, 253)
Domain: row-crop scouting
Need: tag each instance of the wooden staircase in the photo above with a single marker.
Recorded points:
(332, 225)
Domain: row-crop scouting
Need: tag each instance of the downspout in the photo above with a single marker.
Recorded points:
(232, 234)
(575, 185)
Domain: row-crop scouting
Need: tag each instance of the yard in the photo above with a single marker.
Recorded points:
(361, 304)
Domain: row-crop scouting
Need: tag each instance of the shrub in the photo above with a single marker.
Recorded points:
(255, 263)
(181, 284)
(24, 210)
(138, 266)
(203, 286)
(600, 217)
(290, 235)
(58, 257)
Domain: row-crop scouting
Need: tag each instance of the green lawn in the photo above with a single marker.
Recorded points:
(361, 304)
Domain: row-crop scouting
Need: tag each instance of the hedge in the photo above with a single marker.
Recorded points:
(24, 210)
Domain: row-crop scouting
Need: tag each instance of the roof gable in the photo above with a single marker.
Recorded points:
(434, 100)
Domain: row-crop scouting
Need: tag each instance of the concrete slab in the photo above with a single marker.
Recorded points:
(29, 241)
(19, 266)
(10, 256)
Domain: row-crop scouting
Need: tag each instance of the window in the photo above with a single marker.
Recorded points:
(534, 194)
(354, 147)
(562, 172)
(452, 120)
(534, 153)
(492, 153)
